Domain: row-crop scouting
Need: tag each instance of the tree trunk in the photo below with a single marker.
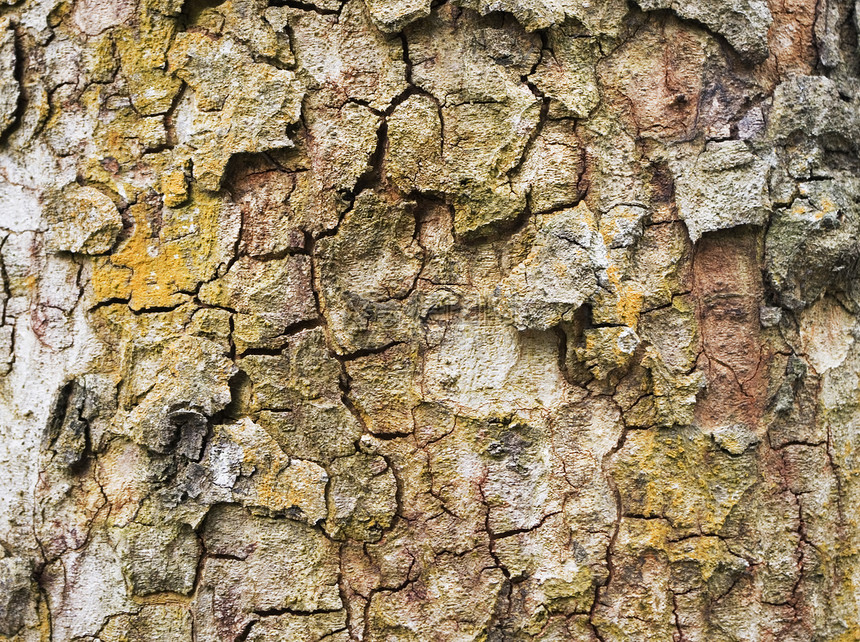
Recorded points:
(391, 320)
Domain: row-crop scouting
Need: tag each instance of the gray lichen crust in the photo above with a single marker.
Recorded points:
(9, 88)
(400, 320)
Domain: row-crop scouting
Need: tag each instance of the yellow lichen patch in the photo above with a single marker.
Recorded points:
(171, 251)
(621, 299)
(815, 211)
(99, 58)
(641, 534)
(126, 136)
(174, 187)
(627, 296)
(827, 206)
(142, 49)
(681, 475)
(109, 281)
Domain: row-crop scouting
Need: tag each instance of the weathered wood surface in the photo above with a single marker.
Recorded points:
(391, 320)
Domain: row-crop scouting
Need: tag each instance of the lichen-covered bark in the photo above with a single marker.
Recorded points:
(400, 320)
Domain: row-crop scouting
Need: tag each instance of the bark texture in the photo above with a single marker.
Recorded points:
(399, 320)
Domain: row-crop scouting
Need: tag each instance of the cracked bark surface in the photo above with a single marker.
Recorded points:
(400, 320)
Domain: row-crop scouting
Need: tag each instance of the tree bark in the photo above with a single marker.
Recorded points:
(391, 320)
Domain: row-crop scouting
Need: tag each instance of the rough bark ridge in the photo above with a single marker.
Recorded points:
(402, 320)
